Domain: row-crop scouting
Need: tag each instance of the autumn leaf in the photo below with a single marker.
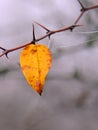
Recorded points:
(35, 61)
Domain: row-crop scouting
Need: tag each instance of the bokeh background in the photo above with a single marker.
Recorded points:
(70, 96)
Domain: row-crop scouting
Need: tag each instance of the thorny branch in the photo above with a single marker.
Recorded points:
(83, 10)
(50, 32)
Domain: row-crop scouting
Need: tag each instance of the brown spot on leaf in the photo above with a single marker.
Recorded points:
(26, 67)
(39, 86)
(33, 51)
(38, 83)
(24, 54)
(39, 72)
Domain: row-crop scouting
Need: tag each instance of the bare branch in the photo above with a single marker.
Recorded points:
(13, 49)
(79, 17)
(49, 32)
(83, 10)
(36, 40)
(92, 7)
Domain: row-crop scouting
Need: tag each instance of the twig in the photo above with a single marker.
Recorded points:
(49, 32)
(5, 52)
(83, 10)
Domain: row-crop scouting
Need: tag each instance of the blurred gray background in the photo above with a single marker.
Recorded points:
(70, 97)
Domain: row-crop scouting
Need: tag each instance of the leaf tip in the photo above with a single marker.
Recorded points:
(40, 93)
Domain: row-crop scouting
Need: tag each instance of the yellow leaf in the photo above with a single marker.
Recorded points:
(35, 61)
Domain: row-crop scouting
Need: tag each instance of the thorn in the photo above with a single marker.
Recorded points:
(82, 6)
(4, 50)
(34, 39)
(81, 3)
(48, 35)
(44, 28)
(73, 26)
(7, 55)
